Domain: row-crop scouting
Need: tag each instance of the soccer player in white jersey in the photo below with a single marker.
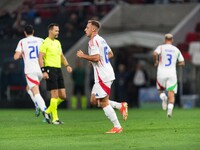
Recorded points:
(28, 49)
(99, 55)
(166, 57)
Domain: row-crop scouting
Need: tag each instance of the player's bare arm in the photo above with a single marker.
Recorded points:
(66, 64)
(41, 63)
(181, 63)
(17, 55)
(110, 54)
(93, 58)
(155, 59)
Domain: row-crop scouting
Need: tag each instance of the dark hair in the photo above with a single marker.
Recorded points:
(95, 23)
(29, 29)
(51, 25)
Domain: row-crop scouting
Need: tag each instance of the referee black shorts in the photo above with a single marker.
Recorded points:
(55, 80)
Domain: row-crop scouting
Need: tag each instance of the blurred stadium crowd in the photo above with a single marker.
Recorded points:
(70, 14)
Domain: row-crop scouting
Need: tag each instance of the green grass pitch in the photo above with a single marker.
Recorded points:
(145, 129)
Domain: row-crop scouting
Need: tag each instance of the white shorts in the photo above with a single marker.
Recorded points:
(33, 79)
(101, 89)
(167, 83)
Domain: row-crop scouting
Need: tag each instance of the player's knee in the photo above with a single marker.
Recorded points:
(103, 103)
(93, 101)
(63, 96)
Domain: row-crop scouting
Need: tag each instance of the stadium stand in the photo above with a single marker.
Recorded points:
(191, 36)
(197, 28)
(190, 47)
(184, 48)
(194, 48)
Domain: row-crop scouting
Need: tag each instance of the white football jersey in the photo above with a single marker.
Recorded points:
(169, 55)
(29, 47)
(103, 71)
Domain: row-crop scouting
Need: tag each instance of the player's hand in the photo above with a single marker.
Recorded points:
(79, 53)
(45, 75)
(69, 69)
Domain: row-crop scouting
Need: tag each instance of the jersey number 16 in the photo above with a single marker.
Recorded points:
(106, 54)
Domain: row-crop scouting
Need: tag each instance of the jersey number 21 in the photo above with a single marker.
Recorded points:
(33, 52)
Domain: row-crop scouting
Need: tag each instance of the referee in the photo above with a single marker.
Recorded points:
(50, 59)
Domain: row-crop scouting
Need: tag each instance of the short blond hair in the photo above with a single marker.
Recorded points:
(168, 36)
(95, 23)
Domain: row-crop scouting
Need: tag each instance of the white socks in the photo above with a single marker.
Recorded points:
(32, 98)
(115, 104)
(40, 101)
(37, 100)
(170, 106)
(110, 113)
(163, 97)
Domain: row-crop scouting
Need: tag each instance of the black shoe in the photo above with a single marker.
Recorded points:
(47, 117)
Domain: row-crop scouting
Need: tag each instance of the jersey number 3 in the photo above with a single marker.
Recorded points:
(33, 52)
(169, 58)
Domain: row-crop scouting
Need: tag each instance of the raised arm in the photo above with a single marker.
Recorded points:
(93, 58)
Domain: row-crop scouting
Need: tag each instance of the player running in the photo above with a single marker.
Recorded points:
(166, 57)
(28, 49)
(99, 55)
